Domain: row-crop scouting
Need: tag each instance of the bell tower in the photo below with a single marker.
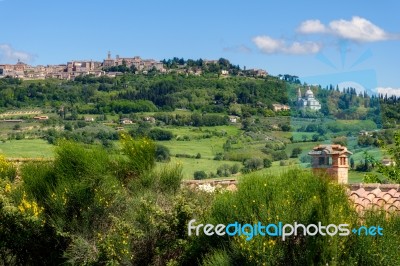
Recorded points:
(331, 160)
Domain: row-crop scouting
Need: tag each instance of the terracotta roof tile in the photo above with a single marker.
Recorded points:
(392, 192)
(385, 197)
(396, 203)
(371, 196)
(359, 208)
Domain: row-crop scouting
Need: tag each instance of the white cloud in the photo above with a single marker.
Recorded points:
(357, 29)
(389, 91)
(311, 26)
(270, 45)
(9, 54)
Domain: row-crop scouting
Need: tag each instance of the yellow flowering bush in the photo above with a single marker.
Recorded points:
(29, 207)
(115, 243)
(7, 169)
(295, 196)
(141, 153)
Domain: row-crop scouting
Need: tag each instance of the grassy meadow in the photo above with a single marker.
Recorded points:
(27, 148)
(191, 141)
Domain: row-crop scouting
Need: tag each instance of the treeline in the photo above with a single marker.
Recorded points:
(206, 66)
(240, 96)
(166, 92)
(195, 119)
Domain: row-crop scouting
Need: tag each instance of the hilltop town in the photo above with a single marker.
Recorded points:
(75, 68)
(113, 67)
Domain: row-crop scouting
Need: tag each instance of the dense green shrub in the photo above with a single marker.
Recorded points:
(239, 155)
(235, 168)
(198, 175)
(276, 146)
(296, 152)
(184, 155)
(160, 134)
(297, 196)
(95, 207)
(162, 153)
(140, 153)
(224, 170)
(218, 157)
(253, 164)
(267, 163)
(7, 169)
(279, 155)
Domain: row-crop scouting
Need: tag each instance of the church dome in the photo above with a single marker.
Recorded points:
(309, 94)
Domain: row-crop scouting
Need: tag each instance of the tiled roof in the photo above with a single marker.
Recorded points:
(330, 149)
(375, 196)
(384, 197)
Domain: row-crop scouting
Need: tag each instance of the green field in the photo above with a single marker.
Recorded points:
(192, 165)
(27, 148)
(208, 141)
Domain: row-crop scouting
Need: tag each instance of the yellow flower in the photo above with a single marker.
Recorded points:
(7, 189)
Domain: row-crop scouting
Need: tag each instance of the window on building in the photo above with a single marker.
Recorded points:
(321, 161)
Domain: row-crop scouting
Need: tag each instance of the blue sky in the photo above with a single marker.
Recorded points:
(319, 41)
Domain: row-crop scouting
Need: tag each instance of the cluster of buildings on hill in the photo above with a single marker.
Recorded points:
(78, 68)
(108, 67)
(137, 62)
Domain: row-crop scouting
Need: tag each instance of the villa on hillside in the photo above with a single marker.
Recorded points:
(308, 101)
(280, 107)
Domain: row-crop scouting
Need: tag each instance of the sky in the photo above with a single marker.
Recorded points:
(349, 42)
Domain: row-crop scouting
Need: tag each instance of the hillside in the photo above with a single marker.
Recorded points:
(215, 125)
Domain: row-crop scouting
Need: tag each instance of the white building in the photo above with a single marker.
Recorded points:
(308, 102)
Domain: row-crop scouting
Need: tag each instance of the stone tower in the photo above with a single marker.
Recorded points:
(331, 160)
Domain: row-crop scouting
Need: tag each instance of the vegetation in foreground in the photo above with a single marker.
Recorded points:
(90, 207)
(209, 122)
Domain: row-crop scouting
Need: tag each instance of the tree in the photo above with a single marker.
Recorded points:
(296, 152)
(267, 163)
(160, 134)
(315, 137)
(227, 145)
(340, 140)
(352, 163)
(198, 175)
(392, 171)
(224, 170)
(162, 153)
(253, 164)
(235, 168)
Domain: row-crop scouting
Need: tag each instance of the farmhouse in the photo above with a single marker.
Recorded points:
(280, 107)
(126, 121)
